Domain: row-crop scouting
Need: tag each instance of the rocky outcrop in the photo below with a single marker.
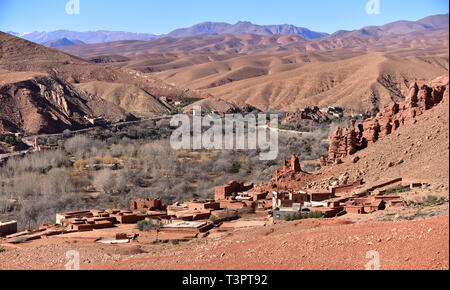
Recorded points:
(345, 142)
(45, 104)
(289, 177)
(305, 117)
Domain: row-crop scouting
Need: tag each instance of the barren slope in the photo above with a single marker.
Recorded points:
(37, 103)
(18, 55)
(287, 81)
(360, 73)
(131, 98)
(257, 44)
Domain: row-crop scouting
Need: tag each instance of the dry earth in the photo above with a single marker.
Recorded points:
(309, 244)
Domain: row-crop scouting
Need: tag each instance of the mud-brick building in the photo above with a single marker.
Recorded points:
(222, 192)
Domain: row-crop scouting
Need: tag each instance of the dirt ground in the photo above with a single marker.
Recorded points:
(308, 244)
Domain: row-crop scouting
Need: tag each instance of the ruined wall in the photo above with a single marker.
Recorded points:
(223, 191)
(8, 228)
(150, 204)
(345, 142)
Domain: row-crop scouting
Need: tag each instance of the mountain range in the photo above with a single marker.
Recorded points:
(62, 42)
(400, 27)
(241, 27)
(244, 27)
(46, 90)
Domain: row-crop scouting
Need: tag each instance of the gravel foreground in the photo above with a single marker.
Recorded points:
(307, 244)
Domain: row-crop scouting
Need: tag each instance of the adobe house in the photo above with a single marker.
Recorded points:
(233, 187)
(99, 219)
(147, 204)
(188, 226)
(318, 195)
(287, 199)
(203, 205)
(237, 204)
(8, 228)
(365, 205)
(355, 209)
(347, 188)
(374, 205)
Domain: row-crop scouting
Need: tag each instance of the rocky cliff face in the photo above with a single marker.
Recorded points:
(345, 142)
(44, 104)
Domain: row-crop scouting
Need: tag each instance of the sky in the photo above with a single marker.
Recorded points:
(163, 16)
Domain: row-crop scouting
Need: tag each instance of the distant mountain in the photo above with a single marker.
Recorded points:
(203, 29)
(434, 22)
(399, 27)
(217, 28)
(254, 44)
(87, 37)
(62, 42)
(13, 33)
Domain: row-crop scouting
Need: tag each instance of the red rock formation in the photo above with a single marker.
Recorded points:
(344, 142)
(290, 176)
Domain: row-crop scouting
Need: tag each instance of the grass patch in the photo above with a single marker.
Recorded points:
(398, 189)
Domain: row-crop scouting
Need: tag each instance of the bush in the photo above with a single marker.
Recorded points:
(235, 167)
(80, 164)
(299, 216)
(146, 226)
(398, 189)
(78, 143)
(104, 181)
(271, 163)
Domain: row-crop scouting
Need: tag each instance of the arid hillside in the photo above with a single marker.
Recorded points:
(18, 55)
(287, 81)
(44, 104)
(285, 72)
(259, 44)
(44, 90)
(129, 97)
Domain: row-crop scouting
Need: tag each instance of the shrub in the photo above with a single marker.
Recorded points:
(104, 181)
(235, 167)
(78, 143)
(299, 216)
(271, 163)
(80, 164)
(146, 226)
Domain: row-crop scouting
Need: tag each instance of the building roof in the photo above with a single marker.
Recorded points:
(186, 224)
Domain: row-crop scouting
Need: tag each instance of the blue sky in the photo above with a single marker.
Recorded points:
(162, 16)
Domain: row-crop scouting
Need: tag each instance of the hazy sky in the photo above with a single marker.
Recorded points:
(162, 16)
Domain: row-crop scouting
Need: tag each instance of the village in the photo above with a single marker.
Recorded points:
(235, 206)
